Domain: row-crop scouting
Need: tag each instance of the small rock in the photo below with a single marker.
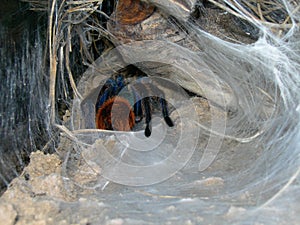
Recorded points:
(117, 221)
(233, 211)
(7, 214)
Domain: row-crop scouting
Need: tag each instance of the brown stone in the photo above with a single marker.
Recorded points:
(130, 12)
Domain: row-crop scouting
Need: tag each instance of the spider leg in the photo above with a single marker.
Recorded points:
(138, 111)
(145, 88)
(165, 112)
(164, 105)
(146, 103)
(110, 89)
(120, 82)
(107, 91)
(136, 101)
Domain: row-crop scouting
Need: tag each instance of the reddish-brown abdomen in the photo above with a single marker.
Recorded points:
(115, 114)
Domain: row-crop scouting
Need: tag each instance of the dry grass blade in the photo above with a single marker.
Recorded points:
(63, 15)
(83, 2)
(53, 62)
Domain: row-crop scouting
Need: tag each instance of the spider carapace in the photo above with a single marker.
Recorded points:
(122, 104)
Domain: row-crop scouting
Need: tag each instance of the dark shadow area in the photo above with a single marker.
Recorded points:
(23, 85)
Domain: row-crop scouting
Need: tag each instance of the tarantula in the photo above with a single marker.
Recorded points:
(120, 105)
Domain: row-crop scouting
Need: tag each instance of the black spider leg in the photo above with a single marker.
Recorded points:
(165, 112)
(106, 92)
(146, 104)
(138, 111)
(164, 105)
(110, 89)
(142, 98)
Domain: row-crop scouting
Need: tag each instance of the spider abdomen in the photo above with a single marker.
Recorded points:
(115, 114)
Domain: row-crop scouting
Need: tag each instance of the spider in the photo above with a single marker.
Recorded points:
(114, 109)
